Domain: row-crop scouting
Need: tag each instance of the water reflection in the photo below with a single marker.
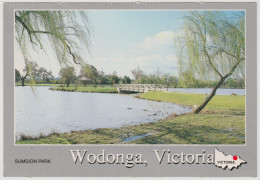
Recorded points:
(65, 111)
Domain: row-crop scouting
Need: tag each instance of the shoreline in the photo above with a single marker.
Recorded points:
(109, 89)
(221, 122)
(42, 135)
(85, 89)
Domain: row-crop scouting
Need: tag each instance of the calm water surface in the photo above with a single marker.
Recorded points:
(208, 90)
(47, 111)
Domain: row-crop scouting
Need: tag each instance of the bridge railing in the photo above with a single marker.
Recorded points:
(141, 87)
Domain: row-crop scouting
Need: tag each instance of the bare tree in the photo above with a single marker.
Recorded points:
(138, 74)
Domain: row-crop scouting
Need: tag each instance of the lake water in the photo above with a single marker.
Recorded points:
(47, 111)
(208, 90)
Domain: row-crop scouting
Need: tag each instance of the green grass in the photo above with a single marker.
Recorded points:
(87, 89)
(222, 121)
(28, 84)
(218, 102)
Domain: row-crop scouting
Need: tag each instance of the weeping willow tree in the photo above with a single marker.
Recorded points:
(211, 46)
(64, 32)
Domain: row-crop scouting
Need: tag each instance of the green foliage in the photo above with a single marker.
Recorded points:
(156, 78)
(240, 83)
(90, 72)
(103, 79)
(31, 69)
(98, 77)
(17, 75)
(68, 75)
(187, 79)
(63, 30)
(126, 80)
(36, 74)
(44, 74)
(211, 45)
(115, 78)
(234, 83)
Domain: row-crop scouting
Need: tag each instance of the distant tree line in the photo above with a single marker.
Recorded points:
(96, 77)
(184, 81)
(234, 83)
(189, 81)
(89, 75)
(34, 73)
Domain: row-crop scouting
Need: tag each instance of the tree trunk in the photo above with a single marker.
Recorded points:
(212, 94)
(22, 79)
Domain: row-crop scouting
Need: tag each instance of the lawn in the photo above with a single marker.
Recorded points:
(222, 121)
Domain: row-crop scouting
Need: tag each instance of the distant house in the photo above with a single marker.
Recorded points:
(84, 79)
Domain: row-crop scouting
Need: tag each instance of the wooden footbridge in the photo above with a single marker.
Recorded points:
(140, 87)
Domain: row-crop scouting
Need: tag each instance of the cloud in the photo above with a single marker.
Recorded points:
(162, 39)
(123, 64)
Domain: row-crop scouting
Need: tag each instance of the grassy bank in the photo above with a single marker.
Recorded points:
(221, 122)
(86, 89)
(219, 102)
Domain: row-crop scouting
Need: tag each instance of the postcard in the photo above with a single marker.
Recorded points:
(130, 90)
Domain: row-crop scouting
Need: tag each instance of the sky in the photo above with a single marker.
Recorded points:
(122, 40)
